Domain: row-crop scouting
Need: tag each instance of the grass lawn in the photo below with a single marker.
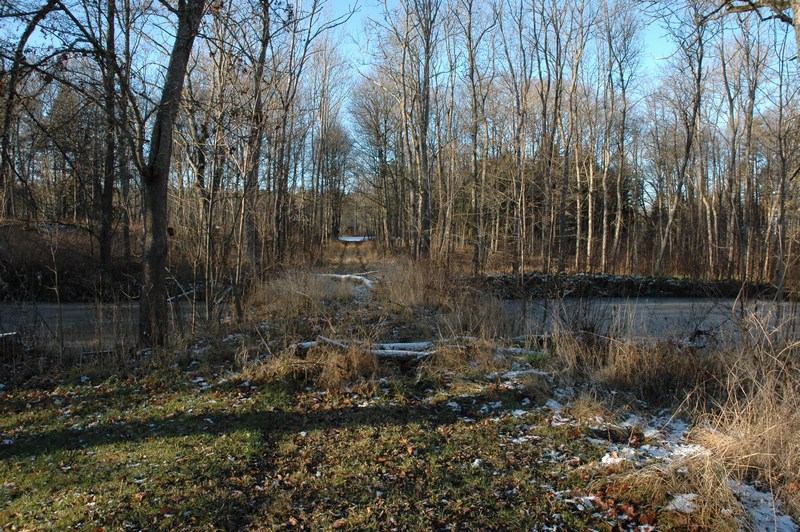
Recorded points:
(181, 449)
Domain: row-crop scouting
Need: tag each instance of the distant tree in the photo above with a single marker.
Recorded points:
(476, 32)
(10, 80)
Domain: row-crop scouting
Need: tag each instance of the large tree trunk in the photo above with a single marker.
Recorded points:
(155, 179)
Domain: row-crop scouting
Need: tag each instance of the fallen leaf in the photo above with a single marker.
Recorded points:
(648, 518)
(627, 508)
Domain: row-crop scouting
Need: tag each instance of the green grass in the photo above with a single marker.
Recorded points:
(169, 451)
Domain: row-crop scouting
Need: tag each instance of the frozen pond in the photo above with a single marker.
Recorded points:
(97, 327)
(83, 326)
(356, 239)
(656, 317)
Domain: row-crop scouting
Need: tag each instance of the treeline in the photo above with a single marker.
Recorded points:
(541, 130)
(535, 134)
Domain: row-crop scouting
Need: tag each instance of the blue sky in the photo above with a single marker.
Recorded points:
(656, 45)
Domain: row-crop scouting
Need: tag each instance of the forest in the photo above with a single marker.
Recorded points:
(512, 135)
(399, 264)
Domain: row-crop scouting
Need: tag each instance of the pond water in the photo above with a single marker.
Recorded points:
(356, 239)
(97, 327)
(84, 327)
(656, 317)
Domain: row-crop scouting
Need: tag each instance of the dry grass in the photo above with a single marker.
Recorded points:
(480, 315)
(406, 285)
(588, 408)
(326, 367)
(655, 487)
(471, 359)
(753, 424)
(654, 371)
(746, 401)
(452, 310)
(299, 294)
(351, 257)
(657, 372)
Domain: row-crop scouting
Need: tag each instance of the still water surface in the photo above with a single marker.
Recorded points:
(95, 327)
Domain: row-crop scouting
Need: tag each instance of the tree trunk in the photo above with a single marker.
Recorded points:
(155, 179)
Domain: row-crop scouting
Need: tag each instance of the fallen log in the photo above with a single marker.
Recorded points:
(405, 346)
(96, 354)
(404, 356)
(403, 351)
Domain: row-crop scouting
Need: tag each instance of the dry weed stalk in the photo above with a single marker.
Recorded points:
(754, 422)
(700, 477)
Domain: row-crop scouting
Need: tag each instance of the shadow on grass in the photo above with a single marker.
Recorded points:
(269, 426)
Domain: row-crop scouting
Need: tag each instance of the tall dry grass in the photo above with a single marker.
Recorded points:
(406, 285)
(753, 421)
(659, 372)
(743, 397)
(297, 294)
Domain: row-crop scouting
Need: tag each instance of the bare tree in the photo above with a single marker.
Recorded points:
(476, 32)
(153, 316)
(690, 35)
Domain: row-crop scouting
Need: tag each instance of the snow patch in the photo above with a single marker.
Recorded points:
(553, 405)
(763, 509)
(683, 502)
(618, 456)
(455, 407)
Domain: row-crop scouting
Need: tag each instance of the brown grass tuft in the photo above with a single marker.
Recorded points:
(326, 367)
(715, 505)
(471, 359)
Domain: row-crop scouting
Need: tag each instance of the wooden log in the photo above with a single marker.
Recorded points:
(403, 351)
(405, 346)
(405, 356)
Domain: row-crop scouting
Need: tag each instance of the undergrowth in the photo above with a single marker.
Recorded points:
(283, 435)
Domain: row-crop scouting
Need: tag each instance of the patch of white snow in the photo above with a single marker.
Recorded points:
(764, 511)
(683, 502)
